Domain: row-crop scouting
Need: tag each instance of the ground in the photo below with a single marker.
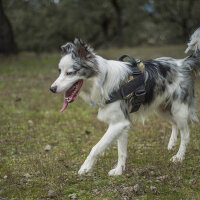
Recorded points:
(30, 120)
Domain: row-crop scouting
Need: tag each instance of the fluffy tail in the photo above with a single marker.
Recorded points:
(193, 63)
(194, 43)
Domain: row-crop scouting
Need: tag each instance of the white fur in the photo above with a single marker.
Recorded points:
(64, 82)
(96, 91)
(118, 125)
(173, 138)
(110, 114)
(194, 43)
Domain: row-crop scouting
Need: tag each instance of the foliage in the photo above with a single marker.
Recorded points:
(179, 17)
(44, 25)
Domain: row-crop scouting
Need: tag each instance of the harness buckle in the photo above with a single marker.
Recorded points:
(138, 99)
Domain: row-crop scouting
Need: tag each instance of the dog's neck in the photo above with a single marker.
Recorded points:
(97, 89)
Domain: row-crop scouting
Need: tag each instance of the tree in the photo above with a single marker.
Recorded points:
(7, 43)
(181, 16)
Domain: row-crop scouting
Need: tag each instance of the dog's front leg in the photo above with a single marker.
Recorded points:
(111, 134)
(122, 154)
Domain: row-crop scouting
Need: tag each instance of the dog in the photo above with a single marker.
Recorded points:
(170, 84)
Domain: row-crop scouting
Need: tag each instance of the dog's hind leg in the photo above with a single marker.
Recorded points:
(173, 138)
(185, 137)
(166, 114)
(180, 114)
(110, 136)
(122, 154)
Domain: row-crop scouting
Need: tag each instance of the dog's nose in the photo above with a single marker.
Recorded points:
(53, 89)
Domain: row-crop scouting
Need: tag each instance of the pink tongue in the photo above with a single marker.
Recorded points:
(65, 104)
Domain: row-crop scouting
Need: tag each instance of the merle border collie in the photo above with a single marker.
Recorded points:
(170, 84)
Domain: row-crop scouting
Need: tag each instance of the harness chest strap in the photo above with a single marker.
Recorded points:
(133, 88)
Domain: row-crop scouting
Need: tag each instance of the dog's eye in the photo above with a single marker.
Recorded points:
(59, 70)
(69, 73)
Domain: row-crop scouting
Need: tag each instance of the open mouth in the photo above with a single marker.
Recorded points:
(71, 94)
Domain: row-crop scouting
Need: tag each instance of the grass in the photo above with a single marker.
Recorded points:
(30, 120)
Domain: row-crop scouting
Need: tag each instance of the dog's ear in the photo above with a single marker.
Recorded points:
(67, 48)
(83, 50)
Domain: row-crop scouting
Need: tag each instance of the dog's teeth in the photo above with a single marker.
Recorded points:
(75, 90)
(67, 98)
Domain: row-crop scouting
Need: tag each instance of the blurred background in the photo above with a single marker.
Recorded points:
(41, 149)
(44, 25)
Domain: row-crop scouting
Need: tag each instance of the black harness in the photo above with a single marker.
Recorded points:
(133, 90)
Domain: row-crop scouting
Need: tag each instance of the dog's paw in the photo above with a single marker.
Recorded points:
(116, 171)
(171, 144)
(177, 159)
(84, 170)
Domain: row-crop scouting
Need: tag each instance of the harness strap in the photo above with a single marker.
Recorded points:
(132, 60)
(126, 89)
(138, 98)
(133, 63)
(133, 89)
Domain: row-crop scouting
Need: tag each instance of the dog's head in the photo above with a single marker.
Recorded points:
(77, 63)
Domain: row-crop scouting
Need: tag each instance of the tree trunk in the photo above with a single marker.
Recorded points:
(119, 23)
(7, 43)
(185, 29)
(105, 26)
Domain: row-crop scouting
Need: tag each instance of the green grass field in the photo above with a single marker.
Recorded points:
(30, 120)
